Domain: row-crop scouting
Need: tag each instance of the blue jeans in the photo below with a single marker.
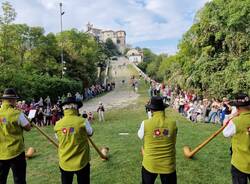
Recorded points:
(212, 116)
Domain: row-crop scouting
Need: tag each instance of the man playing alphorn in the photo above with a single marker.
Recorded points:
(72, 131)
(239, 130)
(12, 124)
(159, 137)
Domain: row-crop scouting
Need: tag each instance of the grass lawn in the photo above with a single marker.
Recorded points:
(210, 166)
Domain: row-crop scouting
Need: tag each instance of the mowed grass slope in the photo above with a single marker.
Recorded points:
(210, 166)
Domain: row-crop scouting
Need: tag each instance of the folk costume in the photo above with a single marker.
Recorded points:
(159, 138)
(239, 130)
(12, 123)
(73, 149)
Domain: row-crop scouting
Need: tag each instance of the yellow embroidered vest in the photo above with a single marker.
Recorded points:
(73, 148)
(11, 134)
(159, 144)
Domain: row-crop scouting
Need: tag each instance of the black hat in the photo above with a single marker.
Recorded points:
(241, 100)
(9, 93)
(156, 103)
(71, 100)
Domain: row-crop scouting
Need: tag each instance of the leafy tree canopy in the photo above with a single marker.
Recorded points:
(30, 60)
(214, 54)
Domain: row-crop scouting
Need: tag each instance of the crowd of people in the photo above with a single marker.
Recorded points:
(48, 112)
(193, 107)
(95, 90)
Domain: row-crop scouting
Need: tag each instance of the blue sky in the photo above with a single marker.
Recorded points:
(156, 24)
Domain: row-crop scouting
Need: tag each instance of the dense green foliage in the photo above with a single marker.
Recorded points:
(112, 47)
(214, 54)
(30, 59)
(31, 86)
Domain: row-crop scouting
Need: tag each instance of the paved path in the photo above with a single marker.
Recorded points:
(121, 96)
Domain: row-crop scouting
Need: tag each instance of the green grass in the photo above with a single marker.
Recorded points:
(210, 166)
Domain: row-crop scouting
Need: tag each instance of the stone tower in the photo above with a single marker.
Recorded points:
(118, 37)
(121, 40)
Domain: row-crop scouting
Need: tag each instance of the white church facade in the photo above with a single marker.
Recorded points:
(135, 56)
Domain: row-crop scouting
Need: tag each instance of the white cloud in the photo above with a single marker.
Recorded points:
(142, 19)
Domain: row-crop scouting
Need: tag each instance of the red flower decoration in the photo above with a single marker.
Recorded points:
(64, 130)
(157, 132)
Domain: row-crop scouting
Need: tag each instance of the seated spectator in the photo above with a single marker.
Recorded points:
(213, 113)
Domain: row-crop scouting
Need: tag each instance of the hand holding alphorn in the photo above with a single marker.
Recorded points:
(42, 132)
(187, 150)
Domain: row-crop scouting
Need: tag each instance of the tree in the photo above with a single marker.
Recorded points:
(82, 55)
(213, 57)
(30, 59)
(6, 33)
(9, 14)
(109, 44)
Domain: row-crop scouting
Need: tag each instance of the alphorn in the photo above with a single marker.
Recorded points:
(45, 135)
(187, 150)
(97, 149)
(56, 144)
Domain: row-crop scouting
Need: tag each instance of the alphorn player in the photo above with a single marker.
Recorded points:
(239, 130)
(73, 151)
(159, 139)
(12, 124)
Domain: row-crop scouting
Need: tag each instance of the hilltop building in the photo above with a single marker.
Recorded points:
(118, 37)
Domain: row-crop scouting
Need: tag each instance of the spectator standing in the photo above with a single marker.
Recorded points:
(181, 104)
(47, 115)
(40, 102)
(59, 100)
(55, 115)
(47, 101)
(39, 117)
(164, 94)
(100, 111)
(78, 97)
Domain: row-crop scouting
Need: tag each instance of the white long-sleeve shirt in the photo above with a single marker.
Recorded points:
(140, 132)
(22, 121)
(88, 127)
(230, 129)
